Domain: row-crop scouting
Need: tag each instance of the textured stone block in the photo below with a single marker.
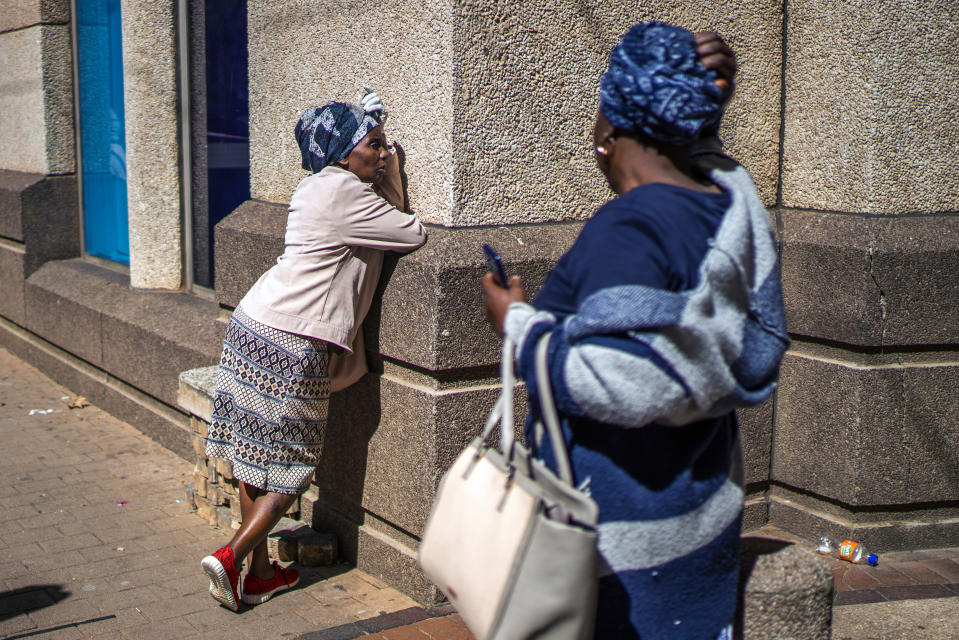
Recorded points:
(316, 549)
(189, 490)
(224, 468)
(860, 123)
(200, 483)
(17, 14)
(308, 502)
(786, 591)
(36, 105)
(195, 394)
(871, 281)
(458, 87)
(40, 212)
(282, 541)
(756, 434)
(12, 276)
(224, 519)
(868, 434)
(63, 305)
(151, 111)
(199, 444)
(388, 443)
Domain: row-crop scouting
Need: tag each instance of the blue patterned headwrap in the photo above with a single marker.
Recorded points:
(657, 86)
(328, 133)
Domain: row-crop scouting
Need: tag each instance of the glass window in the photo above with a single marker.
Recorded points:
(102, 143)
(220, 122)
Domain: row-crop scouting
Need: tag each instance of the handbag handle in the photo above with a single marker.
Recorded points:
(503, 410)
(547, 409)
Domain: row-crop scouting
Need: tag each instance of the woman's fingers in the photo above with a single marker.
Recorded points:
(717, 56)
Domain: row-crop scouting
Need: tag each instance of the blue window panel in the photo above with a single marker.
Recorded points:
(102, 143)
(227, 124)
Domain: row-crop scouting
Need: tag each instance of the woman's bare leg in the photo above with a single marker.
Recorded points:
(261, 510)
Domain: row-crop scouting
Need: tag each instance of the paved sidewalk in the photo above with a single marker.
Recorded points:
(96, 539)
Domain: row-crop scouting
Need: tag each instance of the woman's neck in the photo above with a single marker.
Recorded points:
(636, 165)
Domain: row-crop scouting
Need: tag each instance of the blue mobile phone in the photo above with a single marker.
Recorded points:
(495, 265)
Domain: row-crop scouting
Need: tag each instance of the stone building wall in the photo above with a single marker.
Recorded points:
(842, 116)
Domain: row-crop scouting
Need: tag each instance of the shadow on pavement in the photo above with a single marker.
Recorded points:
(32, 598)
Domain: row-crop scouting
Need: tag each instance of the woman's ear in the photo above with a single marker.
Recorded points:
(343, 162)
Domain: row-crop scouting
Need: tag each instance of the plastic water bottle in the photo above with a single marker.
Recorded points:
(848, 550)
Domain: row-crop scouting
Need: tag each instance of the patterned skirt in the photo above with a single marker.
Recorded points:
(270, 405)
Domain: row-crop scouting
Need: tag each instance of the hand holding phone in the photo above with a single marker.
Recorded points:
(495, 265)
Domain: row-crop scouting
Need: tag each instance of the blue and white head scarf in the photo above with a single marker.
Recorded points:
(328, 133)
(656, 85)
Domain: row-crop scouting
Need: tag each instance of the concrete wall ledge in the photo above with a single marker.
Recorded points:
(876, 281)
(18, 15)
(41, 212)
(142, 338)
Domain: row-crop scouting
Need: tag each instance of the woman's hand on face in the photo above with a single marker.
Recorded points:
(497, 299)
(717, 56)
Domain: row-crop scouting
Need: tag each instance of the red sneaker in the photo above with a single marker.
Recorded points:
(223, 577)
(256, 590)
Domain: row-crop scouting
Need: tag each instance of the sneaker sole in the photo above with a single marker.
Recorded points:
(220, 587)
(260, 598)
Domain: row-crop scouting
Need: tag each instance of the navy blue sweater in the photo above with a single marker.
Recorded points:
(664, 579)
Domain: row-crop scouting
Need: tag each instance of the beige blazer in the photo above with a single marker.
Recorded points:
(337, 233)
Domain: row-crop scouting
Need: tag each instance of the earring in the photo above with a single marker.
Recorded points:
(603, 151)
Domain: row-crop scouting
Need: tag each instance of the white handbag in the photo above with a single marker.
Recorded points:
(512, 545)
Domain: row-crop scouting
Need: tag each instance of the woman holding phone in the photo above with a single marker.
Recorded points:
(663, 316)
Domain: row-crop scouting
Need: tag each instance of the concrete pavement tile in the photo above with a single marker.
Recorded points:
(108, 551)
(23, 550)
(24, 601)
(386, 600)
(12, 569)
(858, 596)
(32, 535)
(19, 500)
(44, 520)
(281, 626)
(324, 616)
(215, 617)
(169, 630)
(948, 568)
(16, 624)
(176, 607)
(404, 633)
(167, 524)
(73, 543)
(120, 565)
(921, 573)
(128, 598)
(58, 577)
(111, 627)
(446, 628)
(890, 576)
(858, 578)
(19, 513)
(902, 620)
(915, 591)
(68, 611)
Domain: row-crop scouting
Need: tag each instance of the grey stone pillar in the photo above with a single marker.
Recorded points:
(866, 421)
(152, 143)
(494, 104)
